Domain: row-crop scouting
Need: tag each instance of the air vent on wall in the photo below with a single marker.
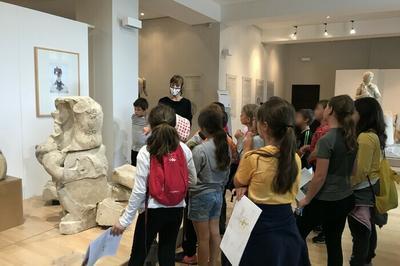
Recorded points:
(131, 23)
(305, 59)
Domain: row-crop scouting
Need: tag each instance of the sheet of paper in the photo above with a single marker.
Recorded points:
(244, 217)
(224, 98)
(306, 176)
(104, 245)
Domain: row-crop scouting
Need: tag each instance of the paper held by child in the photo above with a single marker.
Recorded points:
(104, 245)
(244, 217)
(306, 176)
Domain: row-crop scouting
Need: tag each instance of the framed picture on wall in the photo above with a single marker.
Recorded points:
(56, 75)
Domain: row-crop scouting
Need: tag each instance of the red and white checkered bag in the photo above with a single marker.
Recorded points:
(183, 128)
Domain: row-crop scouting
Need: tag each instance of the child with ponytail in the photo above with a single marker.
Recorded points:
(271, 177)
(156, 218)
(212, 160)
(330, 197)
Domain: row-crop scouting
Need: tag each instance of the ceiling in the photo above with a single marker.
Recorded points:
(62, 8)
(276, 23)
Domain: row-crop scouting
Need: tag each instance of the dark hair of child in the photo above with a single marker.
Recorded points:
(141, 103)
(371, 118)
(323, 103)
(343, 108)
(164, 138)
(279, 116)
(307, 114)
(210, 121)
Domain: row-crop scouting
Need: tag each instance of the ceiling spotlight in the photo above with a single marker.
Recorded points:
(142, 14)
(328, 17)
(293, 36)
(353, 30)
(326, 30)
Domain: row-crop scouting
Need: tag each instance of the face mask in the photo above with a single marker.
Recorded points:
(175, 91)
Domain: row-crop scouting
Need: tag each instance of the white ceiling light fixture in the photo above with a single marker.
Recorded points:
(353, 30)
(293, 36)
(326, 34)
(141, 14)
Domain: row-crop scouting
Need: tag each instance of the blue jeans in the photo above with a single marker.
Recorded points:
(205, 207)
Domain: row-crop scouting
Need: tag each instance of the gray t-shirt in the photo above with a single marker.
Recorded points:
(138, 137)
(209, 177)
(332, 146)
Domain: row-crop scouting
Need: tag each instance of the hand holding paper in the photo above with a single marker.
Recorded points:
(104, 245)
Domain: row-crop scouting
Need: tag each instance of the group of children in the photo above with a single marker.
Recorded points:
(176, 181)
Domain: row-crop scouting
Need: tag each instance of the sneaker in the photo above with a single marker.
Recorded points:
(190, 260)
(319, 239)
(184, 259)
(179, 256)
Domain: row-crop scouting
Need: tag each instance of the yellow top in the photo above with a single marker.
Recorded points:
(258, 172)
(368, 158)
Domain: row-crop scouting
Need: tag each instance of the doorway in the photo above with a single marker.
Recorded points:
(305, 96)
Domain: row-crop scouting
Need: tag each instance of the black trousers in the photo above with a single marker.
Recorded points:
(189, 243)
(163, 221)
(332, 215)
(364, 242)
(134, 155)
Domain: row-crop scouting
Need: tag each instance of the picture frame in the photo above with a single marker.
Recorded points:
(57, 74)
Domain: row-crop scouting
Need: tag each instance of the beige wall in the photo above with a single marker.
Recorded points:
(327, 57)
(168, 47)
(275, 58)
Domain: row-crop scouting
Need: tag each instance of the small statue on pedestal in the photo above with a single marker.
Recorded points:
(367, 88)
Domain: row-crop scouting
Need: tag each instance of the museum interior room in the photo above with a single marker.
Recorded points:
(87, 89)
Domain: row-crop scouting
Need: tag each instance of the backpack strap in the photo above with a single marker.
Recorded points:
(146, 208)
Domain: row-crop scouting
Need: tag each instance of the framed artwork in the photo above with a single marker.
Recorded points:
(56, 75)
(231, 88)
(259, 91)
(246, 90)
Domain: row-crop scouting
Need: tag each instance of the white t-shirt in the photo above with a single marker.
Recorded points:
(138, 195)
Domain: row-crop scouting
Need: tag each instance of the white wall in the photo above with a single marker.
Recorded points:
(387, 80)
(246, 60)
(125, 54)
(21, 29)
(114, 70)
(275, 61)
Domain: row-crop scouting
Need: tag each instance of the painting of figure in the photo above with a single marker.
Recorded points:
(56, 74)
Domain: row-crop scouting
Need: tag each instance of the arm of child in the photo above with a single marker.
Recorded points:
(138, 194)
(316, 182)
(324, 151)
(190, 165)
(243, 176)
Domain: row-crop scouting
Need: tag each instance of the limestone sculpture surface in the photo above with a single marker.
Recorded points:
(75, 158)
(3, 166)
(367, 88)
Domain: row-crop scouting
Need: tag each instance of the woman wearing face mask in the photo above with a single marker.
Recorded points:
(181, 105)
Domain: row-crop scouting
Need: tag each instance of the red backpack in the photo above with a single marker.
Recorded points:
(169, 179)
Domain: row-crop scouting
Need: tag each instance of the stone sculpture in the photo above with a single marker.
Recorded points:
(3, 166)
(367, 88)
(110, 209)
(75, 158)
